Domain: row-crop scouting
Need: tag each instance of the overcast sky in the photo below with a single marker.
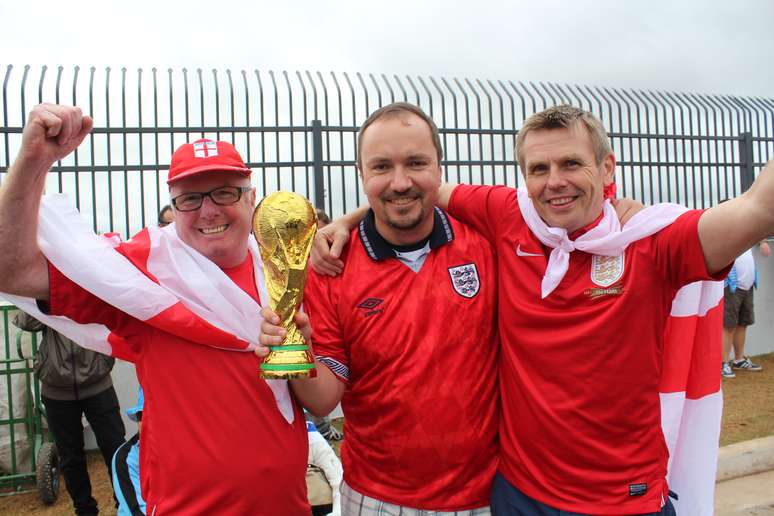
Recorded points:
(706, 46)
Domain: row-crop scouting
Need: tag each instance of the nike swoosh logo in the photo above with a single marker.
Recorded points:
(519, 252)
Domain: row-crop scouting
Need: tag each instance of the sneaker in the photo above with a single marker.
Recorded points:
(746, 365)
(726, 371)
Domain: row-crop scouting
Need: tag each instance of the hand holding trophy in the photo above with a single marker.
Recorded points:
(284, 224)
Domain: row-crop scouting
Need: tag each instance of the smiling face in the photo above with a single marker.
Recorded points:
(401, 176)
(563, 178)
(218, 232)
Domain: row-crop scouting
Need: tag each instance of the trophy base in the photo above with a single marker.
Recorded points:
(288, 362)
(288, 375)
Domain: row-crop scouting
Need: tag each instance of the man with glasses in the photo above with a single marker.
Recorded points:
(182, 303)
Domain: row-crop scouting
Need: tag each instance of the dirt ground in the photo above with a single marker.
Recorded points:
(748, 403)
(748, 414)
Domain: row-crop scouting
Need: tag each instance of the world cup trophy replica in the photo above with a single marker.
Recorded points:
(284, 224)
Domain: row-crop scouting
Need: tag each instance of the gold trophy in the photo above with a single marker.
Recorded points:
(284, 224)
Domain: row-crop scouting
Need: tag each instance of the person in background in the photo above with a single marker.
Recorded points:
(322, 218)
(738, 311)
(75, 382)
(166, 216)
(126, 468)
(323, 463)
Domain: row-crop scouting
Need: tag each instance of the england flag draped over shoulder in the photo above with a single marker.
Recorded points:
(154, 277)
(691, 399)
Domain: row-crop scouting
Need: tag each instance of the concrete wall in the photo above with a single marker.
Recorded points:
(760, 336)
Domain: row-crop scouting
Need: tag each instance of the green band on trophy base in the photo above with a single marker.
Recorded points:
(286, 367)
(289, 347)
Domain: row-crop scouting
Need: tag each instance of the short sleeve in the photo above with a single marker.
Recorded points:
(679, 254)
(487, 209)
(321, 306)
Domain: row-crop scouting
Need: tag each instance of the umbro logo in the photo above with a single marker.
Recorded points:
(519, 252)
(370, 306)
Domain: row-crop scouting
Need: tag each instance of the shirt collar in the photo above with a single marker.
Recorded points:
(585, 229)
(379, 249)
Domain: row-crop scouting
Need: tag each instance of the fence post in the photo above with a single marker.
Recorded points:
(747, 175)
(317, 158)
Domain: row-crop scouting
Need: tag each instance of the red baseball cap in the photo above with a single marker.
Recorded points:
(203, 156)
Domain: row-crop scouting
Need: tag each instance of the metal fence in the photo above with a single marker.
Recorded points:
(297, 130)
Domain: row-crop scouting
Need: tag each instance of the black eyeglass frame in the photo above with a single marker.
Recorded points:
(240, 190)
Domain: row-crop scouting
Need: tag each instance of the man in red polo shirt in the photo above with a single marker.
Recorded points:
(407, 334)
(181, 303)
(582, 308)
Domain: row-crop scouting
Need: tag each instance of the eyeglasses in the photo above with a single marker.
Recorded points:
(222, 196)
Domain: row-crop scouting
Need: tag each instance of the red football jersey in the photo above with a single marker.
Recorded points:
(213, 440)
(580, 427)
(418, 354)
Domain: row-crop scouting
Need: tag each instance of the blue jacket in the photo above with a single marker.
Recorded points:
(126, 478)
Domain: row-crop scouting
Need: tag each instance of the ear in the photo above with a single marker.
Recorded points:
(608, 169)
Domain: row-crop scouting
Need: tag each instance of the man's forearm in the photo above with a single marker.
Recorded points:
(321, 394)
(729, 229)
(354, 217)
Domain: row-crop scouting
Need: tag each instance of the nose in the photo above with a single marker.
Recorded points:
(401, 180)
(556, 179)
(208, 207)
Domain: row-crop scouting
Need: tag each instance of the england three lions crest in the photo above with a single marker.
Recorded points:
(465, 280)
(606, 270)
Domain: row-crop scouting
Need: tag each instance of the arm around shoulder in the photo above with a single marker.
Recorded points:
(444, 195)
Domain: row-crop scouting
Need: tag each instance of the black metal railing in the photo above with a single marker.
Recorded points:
(298, 131)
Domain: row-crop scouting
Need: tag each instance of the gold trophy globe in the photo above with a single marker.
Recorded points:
(284, 224)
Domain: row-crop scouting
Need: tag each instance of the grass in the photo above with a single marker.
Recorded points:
(748, 414)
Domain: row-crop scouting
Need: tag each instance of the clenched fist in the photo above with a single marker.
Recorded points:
(52, 132)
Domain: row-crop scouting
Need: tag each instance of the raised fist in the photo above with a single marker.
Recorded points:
(52, 132)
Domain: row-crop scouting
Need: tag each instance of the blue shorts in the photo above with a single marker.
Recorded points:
(509, 501)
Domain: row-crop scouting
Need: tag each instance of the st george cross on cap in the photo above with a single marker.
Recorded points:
(205, 155)
(205, 148)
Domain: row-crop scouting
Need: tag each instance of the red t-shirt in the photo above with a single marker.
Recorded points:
(418, 354)
(213, 440)
(580, 427)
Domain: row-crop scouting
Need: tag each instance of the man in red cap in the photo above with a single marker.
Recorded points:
(182, 303)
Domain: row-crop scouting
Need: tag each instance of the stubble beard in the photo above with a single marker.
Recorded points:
(406, 224)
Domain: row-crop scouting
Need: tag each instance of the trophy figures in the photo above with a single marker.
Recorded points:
(284, 224)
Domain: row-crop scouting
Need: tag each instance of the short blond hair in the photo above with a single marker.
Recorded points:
(565, 116)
